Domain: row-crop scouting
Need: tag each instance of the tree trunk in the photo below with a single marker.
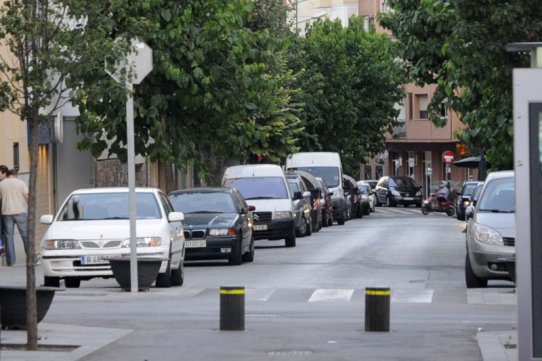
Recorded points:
(31, 310)
(166, 179)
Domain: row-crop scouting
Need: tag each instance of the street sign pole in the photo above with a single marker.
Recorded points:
(131, 187)
(140, 59)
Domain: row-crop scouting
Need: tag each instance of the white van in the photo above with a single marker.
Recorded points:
(265, 187)
(328, 166)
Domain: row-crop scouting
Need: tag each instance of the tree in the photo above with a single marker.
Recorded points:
(47, 43)
(351, 83)
(217, 90)
(461, 48)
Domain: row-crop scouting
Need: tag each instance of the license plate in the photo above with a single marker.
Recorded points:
(409, 199)
(196, 244)
(260, 227)
(85, 260)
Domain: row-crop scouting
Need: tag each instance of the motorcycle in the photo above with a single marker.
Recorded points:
(432, 204)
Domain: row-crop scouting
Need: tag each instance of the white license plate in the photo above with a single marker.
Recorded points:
(196, 244)
(409, 199)
(94, 260)
(260, 227)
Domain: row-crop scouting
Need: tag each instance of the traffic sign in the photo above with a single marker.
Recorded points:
(448, 156)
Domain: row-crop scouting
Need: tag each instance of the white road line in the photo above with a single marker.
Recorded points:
(411, 296)
(322, 295)
(259, 294)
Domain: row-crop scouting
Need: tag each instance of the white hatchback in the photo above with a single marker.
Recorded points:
(93, 226)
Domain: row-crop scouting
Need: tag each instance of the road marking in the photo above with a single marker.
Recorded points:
(259, 294)
(322, 295)
(412, 296)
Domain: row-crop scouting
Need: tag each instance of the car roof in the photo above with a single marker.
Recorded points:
(201, 190)
(115, 190)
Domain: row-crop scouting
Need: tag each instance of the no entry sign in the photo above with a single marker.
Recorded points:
(448, 156)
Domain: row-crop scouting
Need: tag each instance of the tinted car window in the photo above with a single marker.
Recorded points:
(98, 206)
(469, 189)
(294, 186)
(259, 187)
(194, 202)
(329, 174)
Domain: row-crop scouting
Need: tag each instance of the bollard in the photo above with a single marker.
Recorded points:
(232, 308)
(377, 309)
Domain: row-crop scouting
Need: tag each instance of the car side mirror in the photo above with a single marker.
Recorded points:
(46, 219)
(298, 195)
(306, 194)
(175, 216)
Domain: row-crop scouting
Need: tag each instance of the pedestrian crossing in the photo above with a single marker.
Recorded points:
(401, 211)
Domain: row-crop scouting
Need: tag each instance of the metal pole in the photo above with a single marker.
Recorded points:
(377, 309)
(131, 187)
(232, 308)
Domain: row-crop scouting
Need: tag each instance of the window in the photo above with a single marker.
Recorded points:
(423, 102)
(16, 155)
(384, 6)
(443, 111)
(410, 109)
(367, 172)
(379, 172)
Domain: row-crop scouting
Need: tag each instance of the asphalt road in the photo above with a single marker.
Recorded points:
(307, 302)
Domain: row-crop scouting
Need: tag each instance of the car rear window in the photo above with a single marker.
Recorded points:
(103, 206)
(259, 187)
(329, 174)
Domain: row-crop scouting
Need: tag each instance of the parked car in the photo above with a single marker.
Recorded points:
(469, 210)
(315, 188)
(328, 166)
(491, 231)
(302, 205)
(464, 198)
(265, 187)
(353, 197)
(217, 224)
(368, 198)
(92, 226)
(394, 190)
(325, 202)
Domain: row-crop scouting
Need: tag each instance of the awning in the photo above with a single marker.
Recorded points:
(470, 162)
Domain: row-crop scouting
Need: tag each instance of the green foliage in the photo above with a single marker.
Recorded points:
(218, 89)
(351, 83)
(461, 48)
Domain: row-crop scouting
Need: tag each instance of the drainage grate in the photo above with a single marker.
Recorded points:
(290, 353)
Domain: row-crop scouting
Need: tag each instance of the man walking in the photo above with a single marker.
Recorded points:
(14, 196)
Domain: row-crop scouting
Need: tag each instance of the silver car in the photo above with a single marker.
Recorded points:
(491, 231)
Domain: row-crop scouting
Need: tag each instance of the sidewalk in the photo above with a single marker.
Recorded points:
(74, 342)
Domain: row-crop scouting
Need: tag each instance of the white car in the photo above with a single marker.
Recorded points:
(93, 226)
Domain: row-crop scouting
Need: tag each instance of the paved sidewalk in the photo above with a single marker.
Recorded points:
(74, 342)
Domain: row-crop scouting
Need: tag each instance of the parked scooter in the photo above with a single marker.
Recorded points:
(432, 204)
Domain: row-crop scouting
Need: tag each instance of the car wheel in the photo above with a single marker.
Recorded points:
(302, 231)
(236, 258)
(177, 275)
(290, 240)
(472, 280)
(309, 227)
(163, 280)
(249, 256)
(359, 211)
(72, 282)
(390, 202)
(51, 281)
(330, 222)
(367, 210)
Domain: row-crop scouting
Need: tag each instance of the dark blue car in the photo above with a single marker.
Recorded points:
(464, 198)
(217, 224)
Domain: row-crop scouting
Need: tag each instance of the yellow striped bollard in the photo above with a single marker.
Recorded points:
(377, 309)
(232, 308)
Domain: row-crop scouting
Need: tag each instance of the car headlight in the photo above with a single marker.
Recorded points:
(466, 203)
(484, 234)
(221, 232)
(282, 215)
(51, 244)
(143, 242)
(395, 193)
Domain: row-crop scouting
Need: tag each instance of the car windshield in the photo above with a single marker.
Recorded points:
(100, 206)
(330, 175)
(294, 186)
(259, 187)
(469, 189)
(403, 182)
(498, 197)
(203, 202)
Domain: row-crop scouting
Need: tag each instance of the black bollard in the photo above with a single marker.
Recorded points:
(377, 309)
(232, 308)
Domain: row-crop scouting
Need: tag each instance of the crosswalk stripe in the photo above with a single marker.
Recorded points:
(322, 295)
(259, 294)
(412, 296)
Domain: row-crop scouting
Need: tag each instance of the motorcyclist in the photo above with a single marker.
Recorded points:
(443, 192)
